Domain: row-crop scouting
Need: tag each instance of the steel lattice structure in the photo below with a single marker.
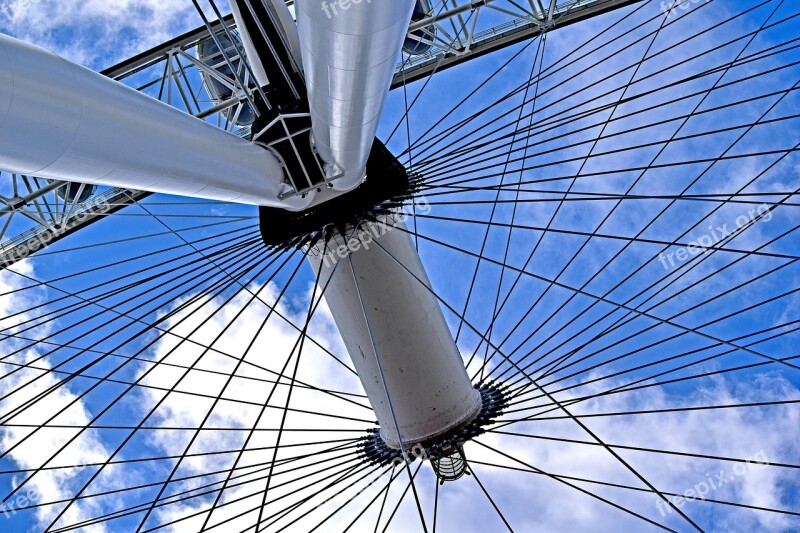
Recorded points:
(172, 74)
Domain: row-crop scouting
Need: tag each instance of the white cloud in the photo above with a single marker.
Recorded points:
(97, 33)
(35, 450)
(273, 344)
(112, 30)
(529, 501)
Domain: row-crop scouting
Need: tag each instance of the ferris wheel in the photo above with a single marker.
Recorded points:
(406, 265)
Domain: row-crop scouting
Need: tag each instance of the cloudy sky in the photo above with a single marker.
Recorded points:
(135, 325)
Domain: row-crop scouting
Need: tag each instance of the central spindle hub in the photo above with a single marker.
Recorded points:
(445, 452)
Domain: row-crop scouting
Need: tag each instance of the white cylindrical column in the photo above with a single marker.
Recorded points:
(61, 121)
(424, 374)
(350, 49)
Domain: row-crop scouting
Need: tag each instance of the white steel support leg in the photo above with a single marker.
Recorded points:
(417, 364)
(350, 49)
(61, 121)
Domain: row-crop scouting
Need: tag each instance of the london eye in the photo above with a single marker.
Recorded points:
(399, 265)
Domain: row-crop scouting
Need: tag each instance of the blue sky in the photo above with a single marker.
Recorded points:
(98, 35)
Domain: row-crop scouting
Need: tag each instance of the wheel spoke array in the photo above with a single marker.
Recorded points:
(607, 213)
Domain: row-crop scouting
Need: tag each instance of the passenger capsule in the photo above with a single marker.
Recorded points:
(208, 53)
(73, 193)
(411, 46)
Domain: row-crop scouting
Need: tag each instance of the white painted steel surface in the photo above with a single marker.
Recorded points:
(429, 387)
(249, 48)
(350, 49)
(286, 25)
(61, 121)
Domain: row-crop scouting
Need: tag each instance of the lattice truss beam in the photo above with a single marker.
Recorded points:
(456, 30)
